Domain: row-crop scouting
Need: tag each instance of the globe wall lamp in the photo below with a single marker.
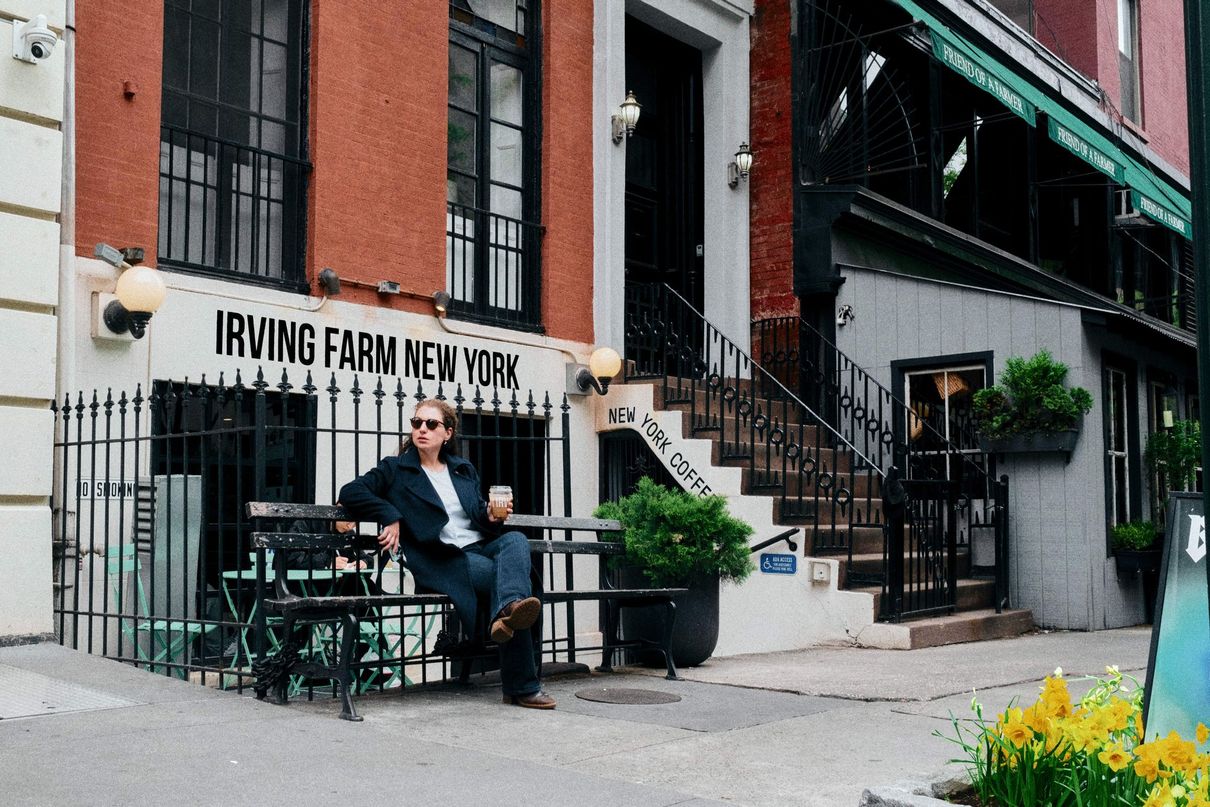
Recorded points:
(138, 295)
(625, 119)
(739, 167)
(603, 365)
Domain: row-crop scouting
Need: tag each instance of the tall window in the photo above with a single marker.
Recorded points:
(492, 239)
(1117, 446)
(1128, 57)
(232, 146)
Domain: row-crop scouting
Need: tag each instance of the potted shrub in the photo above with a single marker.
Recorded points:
(677, 539)
(1031, 409)
(1135, 548)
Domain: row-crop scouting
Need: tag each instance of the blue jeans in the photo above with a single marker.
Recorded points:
(499, 569)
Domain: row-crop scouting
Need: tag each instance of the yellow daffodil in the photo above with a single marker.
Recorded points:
(1203, 734)
(1160, 796)
(1115, 757)
(1147, 768)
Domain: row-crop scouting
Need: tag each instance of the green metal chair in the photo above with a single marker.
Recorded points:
(160, 643)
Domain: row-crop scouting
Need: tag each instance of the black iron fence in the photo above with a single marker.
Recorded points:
(492, 267)
(227, 207)
(153, 559)
(946, 472)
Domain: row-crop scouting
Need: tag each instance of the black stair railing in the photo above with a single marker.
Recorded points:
(953, 497)
(817, 477)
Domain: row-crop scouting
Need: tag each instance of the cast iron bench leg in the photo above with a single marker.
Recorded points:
(344, 677)
(666, 647)
(281, 686)
(610, 637)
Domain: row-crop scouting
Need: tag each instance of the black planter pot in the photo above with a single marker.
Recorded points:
(1063, 442)
(1131, 562)
(695, 634)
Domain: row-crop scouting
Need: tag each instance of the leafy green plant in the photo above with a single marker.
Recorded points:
(676, 537)
(1031, 398)
(1175, 452)
(1132, 535)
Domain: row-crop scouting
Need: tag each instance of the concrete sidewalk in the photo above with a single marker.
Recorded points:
(812, 727)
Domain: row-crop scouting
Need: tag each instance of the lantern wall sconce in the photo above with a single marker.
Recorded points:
(603, 365)
(138, 295)
(739, 167)
(626, 118)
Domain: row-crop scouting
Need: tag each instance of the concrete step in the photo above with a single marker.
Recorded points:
(973, 594)
(968, 626)
(871, 564)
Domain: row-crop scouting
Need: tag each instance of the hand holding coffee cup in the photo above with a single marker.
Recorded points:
(499, 500)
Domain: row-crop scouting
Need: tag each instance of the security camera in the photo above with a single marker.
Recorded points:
(33, 42)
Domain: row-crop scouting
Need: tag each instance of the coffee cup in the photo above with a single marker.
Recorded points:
(499, 497)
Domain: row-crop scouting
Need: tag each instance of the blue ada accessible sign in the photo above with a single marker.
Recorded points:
(778, 563)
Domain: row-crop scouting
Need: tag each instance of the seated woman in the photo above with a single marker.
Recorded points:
(429, 501)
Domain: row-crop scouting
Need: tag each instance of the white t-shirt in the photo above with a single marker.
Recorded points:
(458, 531)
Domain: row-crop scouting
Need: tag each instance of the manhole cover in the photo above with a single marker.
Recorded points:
(633, 697)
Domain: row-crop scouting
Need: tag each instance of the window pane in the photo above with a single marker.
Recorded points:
(277, 18)
(206, 8)
(463, 82)
(273, 102)
(1121, 507)
(1126, 27)
(460, 189)
(506, 202)
(506, 154)
(176, 49)
(500, 12)
(203, 59)
(462, 138)
(236, 69)
(1117, 405)
(506, 93)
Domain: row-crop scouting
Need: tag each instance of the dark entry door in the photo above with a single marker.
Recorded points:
(664, 163)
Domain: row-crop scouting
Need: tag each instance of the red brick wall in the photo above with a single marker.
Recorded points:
(567, 182)
(771, 186)
(1086, 36)
(377, 129)
(379, 75)
(118, 139)
(1072, 32)
(1162, 67)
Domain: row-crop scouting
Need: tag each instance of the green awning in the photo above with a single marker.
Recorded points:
(1153, 197)
(984, 73)
(1106, 160)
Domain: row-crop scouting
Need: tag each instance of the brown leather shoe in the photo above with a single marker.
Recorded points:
(536, 700)
(517, 615)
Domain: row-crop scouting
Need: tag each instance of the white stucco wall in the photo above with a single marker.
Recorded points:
(719, 28)
(31, 109)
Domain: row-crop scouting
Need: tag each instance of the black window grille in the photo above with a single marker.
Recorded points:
(233, 167)
(493, 239)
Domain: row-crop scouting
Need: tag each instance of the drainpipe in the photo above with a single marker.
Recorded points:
(65, 349)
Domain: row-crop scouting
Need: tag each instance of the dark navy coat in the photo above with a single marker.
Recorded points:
(398, 490)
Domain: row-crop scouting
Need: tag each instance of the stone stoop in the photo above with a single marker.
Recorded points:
(975, 618)
(963, 626)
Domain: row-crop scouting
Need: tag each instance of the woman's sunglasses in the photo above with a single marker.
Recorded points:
(432, 423)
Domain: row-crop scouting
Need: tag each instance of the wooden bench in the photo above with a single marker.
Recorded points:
(297, 610)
